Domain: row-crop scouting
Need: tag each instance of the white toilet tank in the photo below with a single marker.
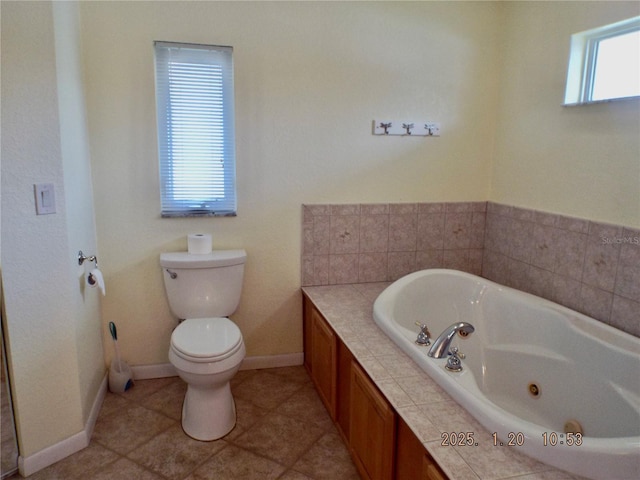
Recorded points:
(206, 285)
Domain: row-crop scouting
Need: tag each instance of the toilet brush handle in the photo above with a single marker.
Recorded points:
(114, 332)
(114, 335)
(118, 356)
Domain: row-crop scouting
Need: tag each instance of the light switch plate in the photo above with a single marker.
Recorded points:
(45, 198)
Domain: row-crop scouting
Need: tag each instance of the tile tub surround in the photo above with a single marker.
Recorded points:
(356, 243)
(588, 266)
(423, 405)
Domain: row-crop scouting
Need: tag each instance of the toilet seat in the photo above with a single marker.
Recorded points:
(206, 340)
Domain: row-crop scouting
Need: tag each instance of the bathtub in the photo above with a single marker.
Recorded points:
(530, 367)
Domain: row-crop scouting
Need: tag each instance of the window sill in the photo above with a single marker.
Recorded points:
(608, 100)
(197, 214)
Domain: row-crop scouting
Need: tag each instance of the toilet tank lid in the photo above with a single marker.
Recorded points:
(217, 258)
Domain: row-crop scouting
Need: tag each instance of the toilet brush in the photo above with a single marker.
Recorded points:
(120, 378)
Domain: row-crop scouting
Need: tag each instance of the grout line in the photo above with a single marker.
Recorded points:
(120, 402)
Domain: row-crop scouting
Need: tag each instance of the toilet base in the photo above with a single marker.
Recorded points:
(208, 413)
(208, 410)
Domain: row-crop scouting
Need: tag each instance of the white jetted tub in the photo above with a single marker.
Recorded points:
(557, 385)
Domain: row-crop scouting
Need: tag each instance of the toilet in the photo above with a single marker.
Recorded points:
(206, 347)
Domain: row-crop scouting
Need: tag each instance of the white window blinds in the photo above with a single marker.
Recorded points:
(196, 141)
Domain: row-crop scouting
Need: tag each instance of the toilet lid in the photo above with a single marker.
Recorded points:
(206, 337)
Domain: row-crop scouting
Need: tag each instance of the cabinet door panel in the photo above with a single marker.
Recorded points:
(324, 361)
(412, 458)
(372, 428)
(409, 454)
(307, 310)
(431, 472)
(343, 394)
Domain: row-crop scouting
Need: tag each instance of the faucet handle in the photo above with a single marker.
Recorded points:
(423, 328)
(454, 361)
(423, 337)
(457, 353)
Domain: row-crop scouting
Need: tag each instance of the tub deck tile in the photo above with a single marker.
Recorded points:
(426, 408)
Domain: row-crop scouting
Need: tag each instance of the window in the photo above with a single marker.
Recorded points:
(195, 114)
(604, 63)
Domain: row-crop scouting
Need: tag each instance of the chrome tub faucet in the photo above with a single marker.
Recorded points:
(440, 347)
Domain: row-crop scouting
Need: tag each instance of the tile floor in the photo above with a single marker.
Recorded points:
(283, 432)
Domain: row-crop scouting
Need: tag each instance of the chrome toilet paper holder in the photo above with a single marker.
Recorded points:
(82, 257)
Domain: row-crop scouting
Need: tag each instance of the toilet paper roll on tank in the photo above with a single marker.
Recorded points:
(199, 243)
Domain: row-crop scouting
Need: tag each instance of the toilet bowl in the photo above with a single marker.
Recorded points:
(206, 353)
(206, 347)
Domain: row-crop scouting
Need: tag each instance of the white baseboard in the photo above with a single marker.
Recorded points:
(272, 361)
(68, 446)
(96, 407)
(75, 443)
(161, 370)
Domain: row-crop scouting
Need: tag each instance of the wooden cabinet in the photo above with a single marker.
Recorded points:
(382, 446)
(307, 308)
(430, 470)
(372, 428)
(409, 454)
(321, 358)
(328, 362)
(413, 462)
(343, 383)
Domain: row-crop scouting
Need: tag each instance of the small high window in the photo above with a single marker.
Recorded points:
(195, 115)
(604, 63)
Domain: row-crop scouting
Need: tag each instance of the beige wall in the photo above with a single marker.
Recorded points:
(52, 326)
(78, 190)
(310, 78)
(582, 161)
